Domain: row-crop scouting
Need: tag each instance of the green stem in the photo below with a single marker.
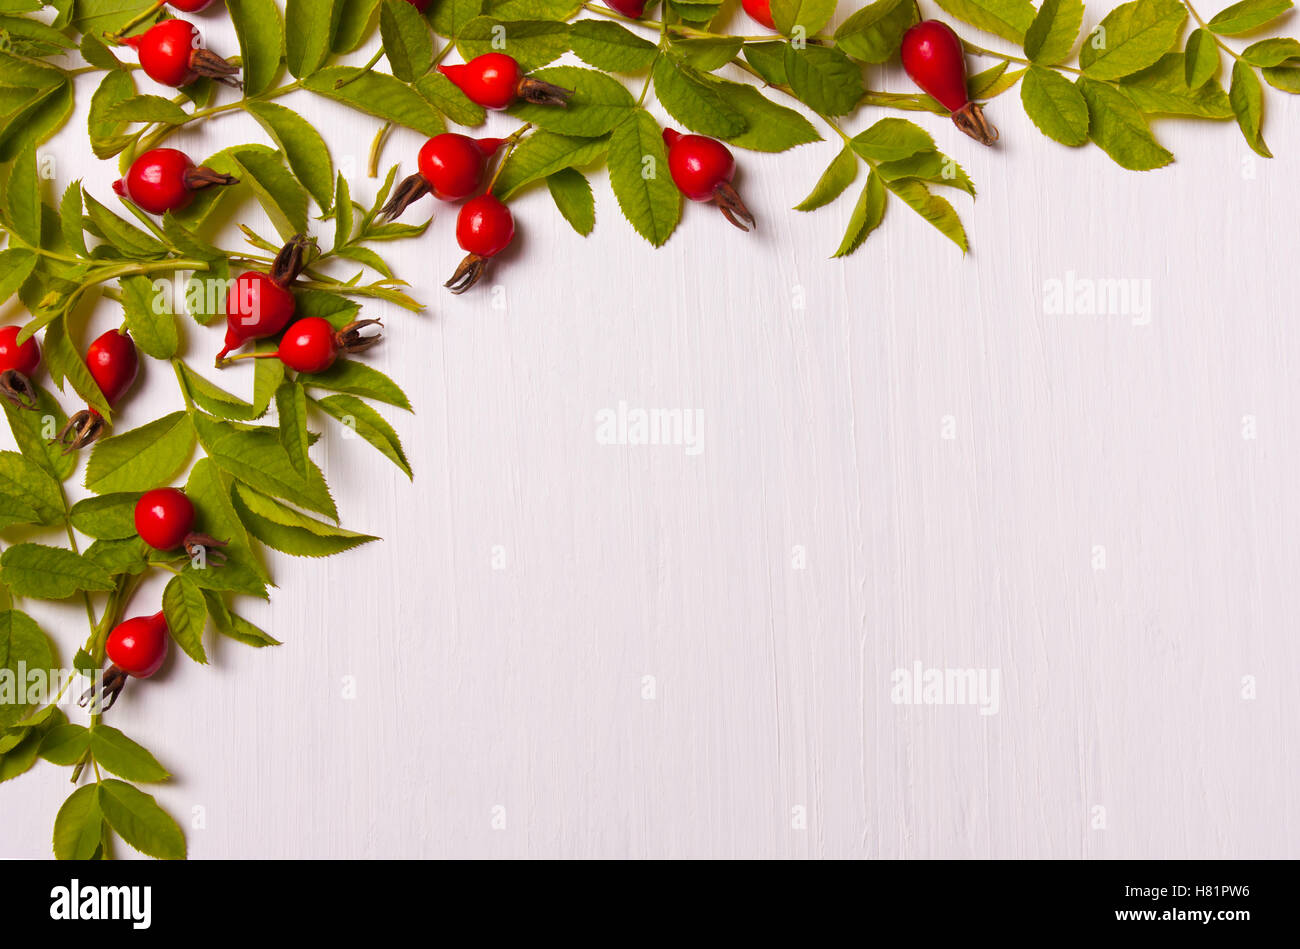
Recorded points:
(511, 142)
(164, 132)
(1217, 41)
(374, 61)
(136, 21)
(981, 51)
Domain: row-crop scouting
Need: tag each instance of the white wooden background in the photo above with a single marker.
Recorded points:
(500, 712)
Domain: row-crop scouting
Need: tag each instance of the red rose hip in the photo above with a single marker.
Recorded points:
(312, 345)
(495, 81)
(18, 362)
(633, 8)
(451, 168)
(164, 519)
(933, 57)
(760, 11)
(164, 179)
(260, 305)
(113, 364)
(702, 169)
(484, 229)
(172, 53)
(136, 648)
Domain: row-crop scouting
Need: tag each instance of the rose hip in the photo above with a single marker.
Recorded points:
(113, 364)
(260, 305)
(164, 179)
(451, 168)
(702, 169)
(933, 57)
(136, 648)
(312, 345)
(17, 364)
(633, 8)
(484, 229)
(164, 519)
(760, 11)
(172, 53)
(495, 81)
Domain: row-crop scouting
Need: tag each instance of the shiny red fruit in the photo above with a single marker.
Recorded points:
(633, 8)
(113, 364)
(309, 345)
(491, 80)
(166, 51)
(138, 646)
(164, 518)
(189, 6)
(256, 307)
(452, 165)
(761, 11)
(698, 164)
(156, 181)
(420, 5)
(19, 358)
(485, 226)
(933, 57)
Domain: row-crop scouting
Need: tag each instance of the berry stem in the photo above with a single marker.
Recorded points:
(510, 143)
(136, 21)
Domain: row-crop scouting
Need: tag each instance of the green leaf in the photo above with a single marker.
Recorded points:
(572, 195)
(291, 412)
(597, 105)
(532, 43)
(1051, 36)
(96, 53)
(873, 34)
(1272, 52)
(147, 108)
(449, 16)
(695, 11)
(1132, 37)
(16, 265)
(148, 319)
(260, 30)
(34, 431)
(23, 198)
(1202, 58)
(772, 127)
(706, 54)
(253, 455)
(79, 825)
(124, 757)
(890, 139)
(137, 818)
(930, 167)
(268, 373)
(932, 207)
(379, 95)
(357, 378)
(1118, 128)
(106, 139)
(544, 153)
(70, 223)
(1009, 19)
(1247, 99)
(282, 198)
(217, 518)
(866, 217)
(443, 94)
(1054, 105)
(125, 555)
(27, 479)
(64, 362)
(235, 626)
(693, 103)
(13, 512)
(290, 532)
(1163, 89)
(610, 46)
(187, 613)
(107, 517)
(638, 173)
(1246, 16)
(49, 573)
(769, 60)
(812, 15)
(356, 24)
(358, 418)
(406, 39)
(213, 399)
(534, 9)
(64, 745)
(142, 458)
(21, 641)
(839, 174)
(302, 145)
(308, 44)
(1286, 78)
(824, 79)
(126, 238)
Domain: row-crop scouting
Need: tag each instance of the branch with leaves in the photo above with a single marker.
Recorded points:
(252, 485)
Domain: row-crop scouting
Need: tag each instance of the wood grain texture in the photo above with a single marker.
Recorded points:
(516, 693)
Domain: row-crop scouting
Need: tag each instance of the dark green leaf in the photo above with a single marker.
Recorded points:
(137, 819)
(638, 173)
(142, 458)
(572, 195)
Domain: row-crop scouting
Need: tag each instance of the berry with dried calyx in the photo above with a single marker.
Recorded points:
(933, 57)
(260, 305)
(451, 168)
(18, 362)
(702, 169)
(495, 81)
(484, 229)
(113, 363)
(172, 53)
(164, 179)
